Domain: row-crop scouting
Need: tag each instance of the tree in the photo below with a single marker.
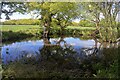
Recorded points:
(86, 23)
(89, 11)
(8, 8)
(65, 13)
(62, 12)
(109, 11)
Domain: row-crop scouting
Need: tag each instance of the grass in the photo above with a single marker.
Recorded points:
(81, 28)
(16, 28)
(19, 32)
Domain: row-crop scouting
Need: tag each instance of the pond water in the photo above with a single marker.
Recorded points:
(18, 50)
(51, 57)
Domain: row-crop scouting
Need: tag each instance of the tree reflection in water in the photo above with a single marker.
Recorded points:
(54, 54)
(65, 58)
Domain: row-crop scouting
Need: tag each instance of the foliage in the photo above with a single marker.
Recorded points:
(89, 11)
(56, 11)
(86, 23)
(8, 8)
(108, 68)
(54, 23)
(111, 72)
(65, 14)
(109, 11)
(22, 22)
(106, 28)
(74, 24)
(118, 26)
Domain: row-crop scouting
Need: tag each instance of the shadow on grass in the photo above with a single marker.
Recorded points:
(14, 36)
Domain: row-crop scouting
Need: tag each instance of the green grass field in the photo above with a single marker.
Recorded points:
(16, 28)
(81, 28)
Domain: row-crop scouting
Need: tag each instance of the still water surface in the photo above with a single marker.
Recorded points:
(18, 50)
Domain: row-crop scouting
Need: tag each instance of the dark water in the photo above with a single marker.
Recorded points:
(55, 57)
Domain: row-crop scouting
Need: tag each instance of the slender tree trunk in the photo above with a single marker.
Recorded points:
(1, 4)
(62, 30)
(46, 25)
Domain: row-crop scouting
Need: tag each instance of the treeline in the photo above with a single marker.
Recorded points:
(83, 23)
(22, 22)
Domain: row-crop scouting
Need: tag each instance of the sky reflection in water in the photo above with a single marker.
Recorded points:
(18, 50)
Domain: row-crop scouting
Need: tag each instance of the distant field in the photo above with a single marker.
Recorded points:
(16, 28)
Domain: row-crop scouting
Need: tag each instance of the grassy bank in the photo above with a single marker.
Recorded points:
(16, 28)
(19, 32)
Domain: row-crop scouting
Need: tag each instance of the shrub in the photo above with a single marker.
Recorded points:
(75, 24)
(118, 26)
(85, 23)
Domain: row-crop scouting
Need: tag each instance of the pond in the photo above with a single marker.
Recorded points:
(64, 57)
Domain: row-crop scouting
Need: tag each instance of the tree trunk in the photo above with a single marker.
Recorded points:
(1, 4)
(46, 25)
(62, 30)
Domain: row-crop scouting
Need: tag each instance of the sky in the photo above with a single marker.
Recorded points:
(28, 16)
(17, 16)
(21, 16)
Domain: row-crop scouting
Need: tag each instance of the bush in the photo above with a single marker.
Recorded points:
(75, 24)
(85, 23)
(118, 26)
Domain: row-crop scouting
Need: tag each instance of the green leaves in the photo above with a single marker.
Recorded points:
(103, 14)
(61, 11)
(8, 8)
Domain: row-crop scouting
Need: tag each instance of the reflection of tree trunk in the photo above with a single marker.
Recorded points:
(95, 42)
(45, 51)
(61, 40)
(95, 47)
(105, 44)
(46, 41)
